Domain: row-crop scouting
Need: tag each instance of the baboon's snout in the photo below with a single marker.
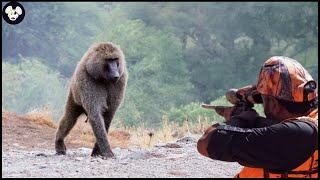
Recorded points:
(113, 71)
(114, 79)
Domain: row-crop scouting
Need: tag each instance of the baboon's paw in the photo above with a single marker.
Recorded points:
(60, 148)
(61, 153)
(109, 155)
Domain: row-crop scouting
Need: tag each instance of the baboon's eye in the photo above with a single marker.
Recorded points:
(112, 59)
(115, 59)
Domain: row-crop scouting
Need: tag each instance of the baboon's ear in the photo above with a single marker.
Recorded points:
(94, 68)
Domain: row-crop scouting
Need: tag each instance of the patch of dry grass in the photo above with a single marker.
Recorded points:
(42, 116)
(82, 132)
(169, 132)
(123, 136)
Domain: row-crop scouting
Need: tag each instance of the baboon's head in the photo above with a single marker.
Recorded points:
(105, 60)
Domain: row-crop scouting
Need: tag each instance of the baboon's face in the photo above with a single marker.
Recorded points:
(111, 70)
(109, 60)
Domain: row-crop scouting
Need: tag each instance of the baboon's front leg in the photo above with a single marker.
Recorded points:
(102, 146)
(108, 116)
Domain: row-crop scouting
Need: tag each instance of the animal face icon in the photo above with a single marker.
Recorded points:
(13, 13)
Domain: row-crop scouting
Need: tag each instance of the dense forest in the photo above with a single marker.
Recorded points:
(179, 54)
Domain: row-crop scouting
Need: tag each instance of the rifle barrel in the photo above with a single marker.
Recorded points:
(208, 106)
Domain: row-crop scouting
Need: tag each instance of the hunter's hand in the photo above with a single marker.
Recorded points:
(245, 119)
(228, 112)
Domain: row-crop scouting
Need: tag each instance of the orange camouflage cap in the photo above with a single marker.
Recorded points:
(286, 79)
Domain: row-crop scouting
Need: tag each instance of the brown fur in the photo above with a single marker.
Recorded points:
(94, 92)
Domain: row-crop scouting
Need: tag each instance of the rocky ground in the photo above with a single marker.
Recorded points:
(27, 151)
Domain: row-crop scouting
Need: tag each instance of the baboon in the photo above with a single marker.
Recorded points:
(97, 88)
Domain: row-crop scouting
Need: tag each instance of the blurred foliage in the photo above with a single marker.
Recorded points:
(53, 32)
(232, 43)
(178, 53)
(193, 112)
(30, 85)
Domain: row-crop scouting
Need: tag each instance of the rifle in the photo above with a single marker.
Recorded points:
(240, 100)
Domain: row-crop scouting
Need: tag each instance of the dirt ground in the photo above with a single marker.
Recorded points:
(28, 151)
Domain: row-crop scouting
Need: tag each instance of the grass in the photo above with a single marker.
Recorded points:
(123, 136)
(42, 116)
(168, 132)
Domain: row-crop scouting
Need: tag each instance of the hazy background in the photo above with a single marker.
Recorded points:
(179, 54)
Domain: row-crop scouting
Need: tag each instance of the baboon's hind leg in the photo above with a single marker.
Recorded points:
(68, 120)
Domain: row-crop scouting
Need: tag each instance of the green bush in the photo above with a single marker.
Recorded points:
(193, 112)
